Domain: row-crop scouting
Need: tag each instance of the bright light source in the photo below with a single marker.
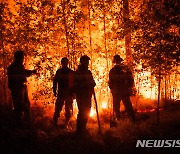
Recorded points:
(93, 112)
(104, 105)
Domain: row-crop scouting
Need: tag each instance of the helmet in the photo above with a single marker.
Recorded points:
(117, 59)
(64, 61)
(19, 54)
(84, 59)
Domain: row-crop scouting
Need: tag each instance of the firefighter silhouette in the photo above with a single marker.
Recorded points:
(64, 92)
(121, 83)
(17, 77)
(84, 86)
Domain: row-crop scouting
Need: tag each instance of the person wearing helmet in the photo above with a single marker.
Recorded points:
(64, 93)
(121, 83)
(84, 87)
(17, 77)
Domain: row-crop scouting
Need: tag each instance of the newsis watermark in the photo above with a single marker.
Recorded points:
(158, 143)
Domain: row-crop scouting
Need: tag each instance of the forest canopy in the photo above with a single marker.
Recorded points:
(145, 33)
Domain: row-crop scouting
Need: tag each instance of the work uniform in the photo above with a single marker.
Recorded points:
(84, 86)
(121, 83)
(64, 79)
(17, 75)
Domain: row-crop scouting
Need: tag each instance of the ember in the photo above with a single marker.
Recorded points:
(150, 110)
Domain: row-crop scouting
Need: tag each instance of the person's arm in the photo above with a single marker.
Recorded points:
(27, 72)
(55, 81)
(30, 72)
(71, 79)
(92, 82)
(110, 80)
(130, 78)
(10, 77)
(72, 83)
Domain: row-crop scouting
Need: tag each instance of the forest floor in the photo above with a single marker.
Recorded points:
(43, 137)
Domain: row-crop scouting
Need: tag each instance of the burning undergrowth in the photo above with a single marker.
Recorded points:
(43, 137)
(42, 117)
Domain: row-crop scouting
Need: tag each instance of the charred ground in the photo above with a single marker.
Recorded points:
(43, 137)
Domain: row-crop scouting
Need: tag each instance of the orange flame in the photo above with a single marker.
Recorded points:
(93, 112)
(104, 105)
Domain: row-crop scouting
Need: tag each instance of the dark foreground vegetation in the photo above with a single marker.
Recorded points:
(43, 137)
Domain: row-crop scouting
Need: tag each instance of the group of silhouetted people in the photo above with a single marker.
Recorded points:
(79, 83)
(69, 84)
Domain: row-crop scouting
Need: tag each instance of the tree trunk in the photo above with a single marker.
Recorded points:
(151, 87)
(65, 27)
(159, 87)
(4, 57)
(4, 77)
(175, 84)
(105, 47)
(165, 90)
(127, 33)
(169, 83)
(90, 36)
(105, 39)
(74, 42)
(159, 91)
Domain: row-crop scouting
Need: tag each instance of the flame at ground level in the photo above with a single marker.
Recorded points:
(104, 105)
(93, 112)
(40, 89)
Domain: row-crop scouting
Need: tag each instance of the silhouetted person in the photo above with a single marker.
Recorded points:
(64, 79)
(84, 86)
(17, 75)
(121, 83)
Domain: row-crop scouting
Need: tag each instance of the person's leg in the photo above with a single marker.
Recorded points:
(68, 108)
(58, 107)
(17, 97)
(128, 105)
(26, 106)
(116, 104)
(87, 109)
(84, 107)
(79, 123)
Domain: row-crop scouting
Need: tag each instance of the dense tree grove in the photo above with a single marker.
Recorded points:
(156, 41)
(145, 33)
(157, 37)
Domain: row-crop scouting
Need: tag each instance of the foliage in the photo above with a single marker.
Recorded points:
(49, 30)
(156, 42)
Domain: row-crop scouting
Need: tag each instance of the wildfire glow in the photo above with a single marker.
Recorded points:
(99, 37)
(146, 110)
(93, 112)
(104, 105)
(146, 84)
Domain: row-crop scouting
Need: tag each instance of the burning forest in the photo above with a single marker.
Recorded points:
(144, 34)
